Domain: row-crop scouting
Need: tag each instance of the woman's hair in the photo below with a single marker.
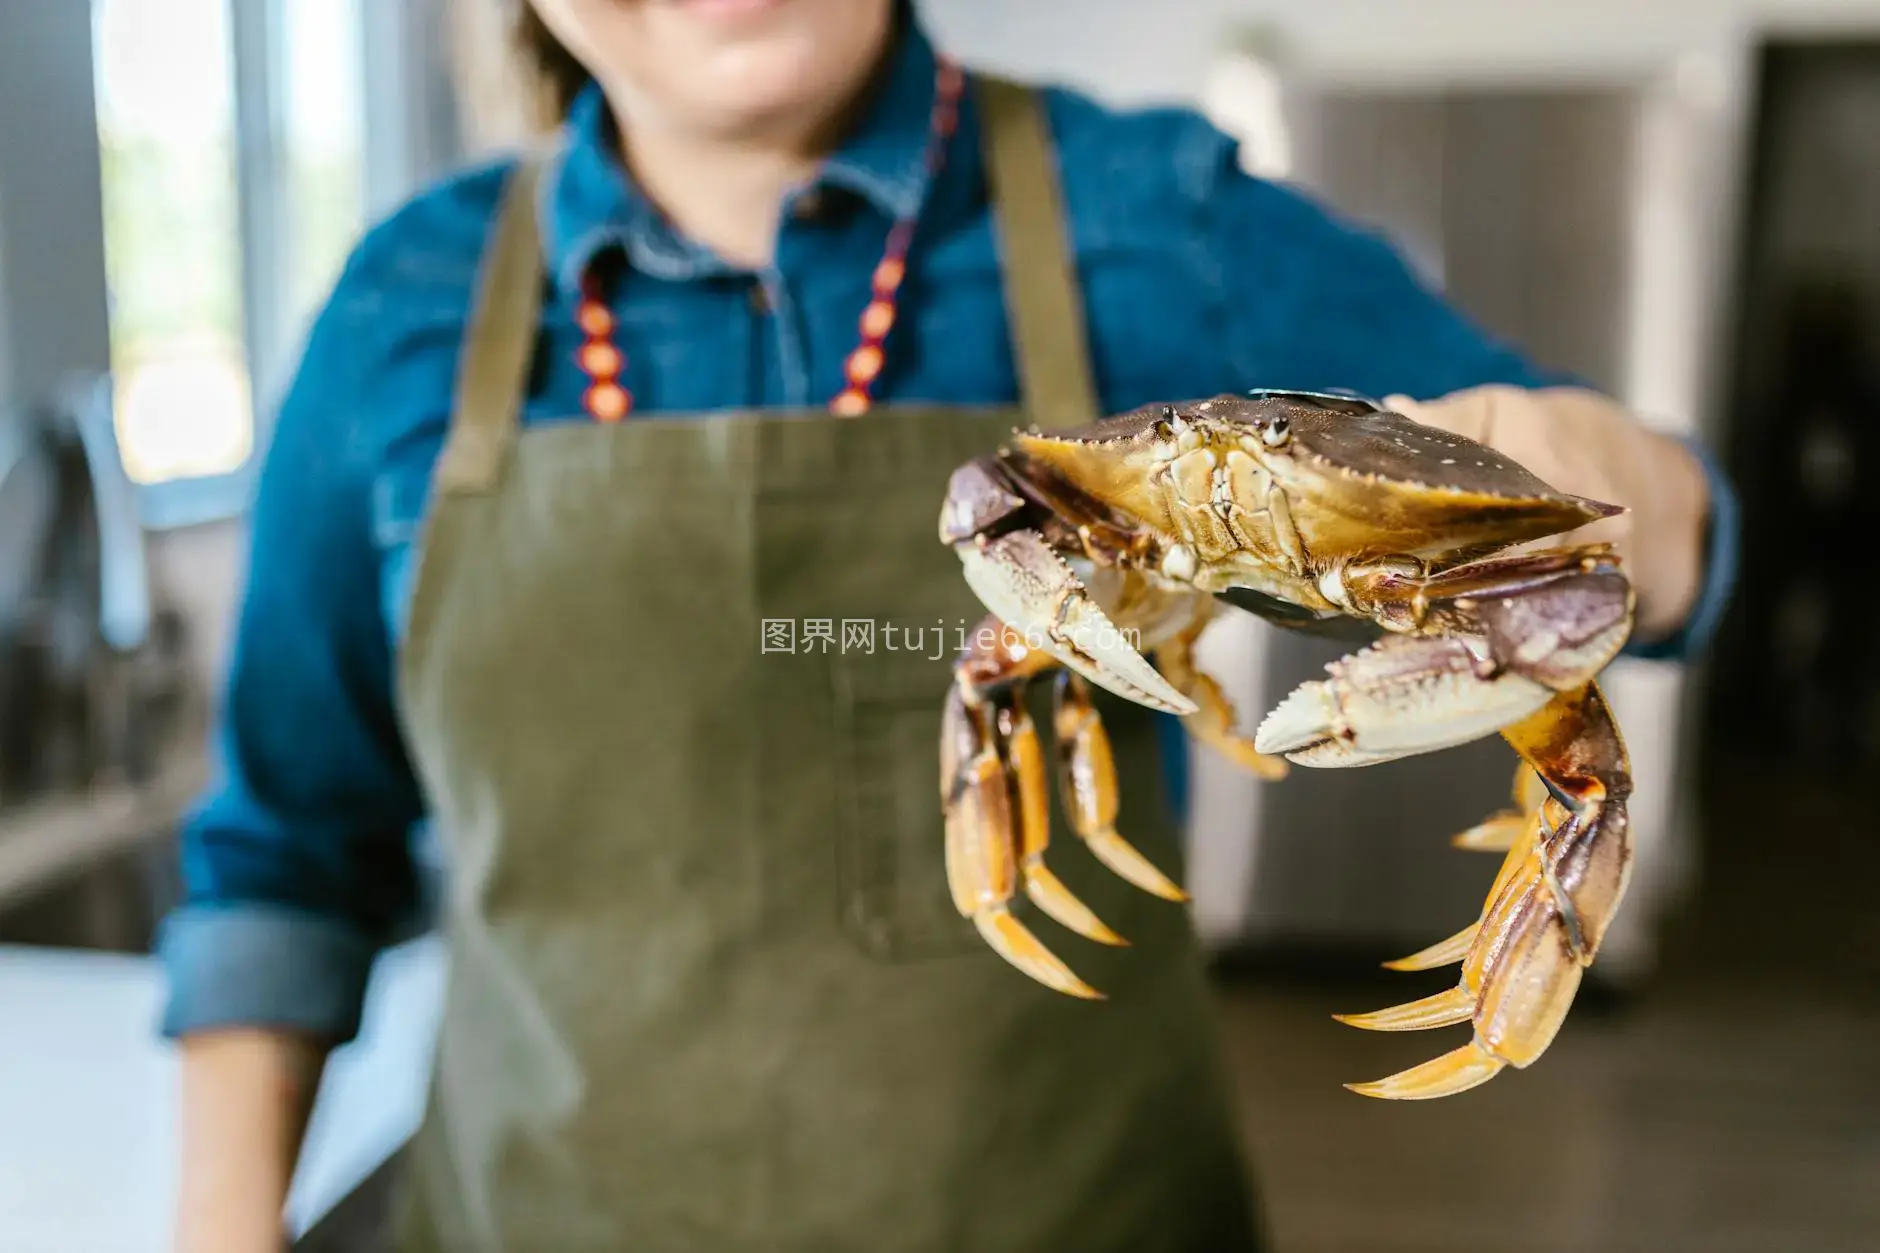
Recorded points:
(552, 70)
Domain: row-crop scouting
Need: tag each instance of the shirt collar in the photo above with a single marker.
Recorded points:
(590, 202)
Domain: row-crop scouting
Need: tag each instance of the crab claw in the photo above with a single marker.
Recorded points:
(1402, 696)
(1029, 586)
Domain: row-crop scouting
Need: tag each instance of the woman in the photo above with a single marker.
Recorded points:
(566, 436)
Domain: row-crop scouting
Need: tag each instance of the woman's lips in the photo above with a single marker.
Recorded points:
(728, 10)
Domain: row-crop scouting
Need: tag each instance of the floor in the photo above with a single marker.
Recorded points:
(1732, 1107)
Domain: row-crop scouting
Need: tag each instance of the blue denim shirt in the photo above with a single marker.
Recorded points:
(1199, 279)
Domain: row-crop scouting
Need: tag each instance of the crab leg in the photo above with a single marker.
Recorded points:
(1030, 782)
(997, 664)
(1089, 790)
(1522, 643)
(1456, 947)
(996, 801)
(1498, 832)
(982, 839)
(1213, 721)
(1442, 953)
(1547, 912)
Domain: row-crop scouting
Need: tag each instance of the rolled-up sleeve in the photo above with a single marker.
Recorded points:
(1339, 307)
(297, 865)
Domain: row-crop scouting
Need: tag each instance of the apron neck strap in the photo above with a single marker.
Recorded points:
(498, 345)
(1042, 297)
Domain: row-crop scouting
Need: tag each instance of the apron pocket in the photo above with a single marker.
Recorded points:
(891, 854)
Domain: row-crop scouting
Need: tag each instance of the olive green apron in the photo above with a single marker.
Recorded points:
(707, 988)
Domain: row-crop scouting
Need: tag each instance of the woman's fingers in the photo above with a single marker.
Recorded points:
(1580, 442)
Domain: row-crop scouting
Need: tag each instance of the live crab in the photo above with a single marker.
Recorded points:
(1098, 548)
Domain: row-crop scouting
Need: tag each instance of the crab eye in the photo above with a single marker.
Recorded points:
(1275, 433)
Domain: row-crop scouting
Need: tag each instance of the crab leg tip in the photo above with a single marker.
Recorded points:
(1453, 1072)
(1127, 863)
(1441, 1010)
(1441, 953)
(1049, 894)
(1496, 835)
(1009, 938)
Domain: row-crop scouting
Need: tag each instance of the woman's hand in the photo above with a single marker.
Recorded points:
(1580, 442)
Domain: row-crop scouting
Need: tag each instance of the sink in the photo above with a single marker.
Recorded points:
(97, 869)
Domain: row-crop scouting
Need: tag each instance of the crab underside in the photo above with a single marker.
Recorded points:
(1104, 553)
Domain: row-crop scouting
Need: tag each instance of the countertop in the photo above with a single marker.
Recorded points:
(88, 1103)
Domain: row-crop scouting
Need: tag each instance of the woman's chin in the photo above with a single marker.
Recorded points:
(744, 86)
(733, 66)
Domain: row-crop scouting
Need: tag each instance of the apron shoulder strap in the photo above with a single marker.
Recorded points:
(1042, 296)
(499, 343)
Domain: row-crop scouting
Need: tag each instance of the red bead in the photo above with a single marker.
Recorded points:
(608, 402)
(864, 365)
(601, 359)
(888, 275)
(850, 403)
(877, 320)
(594, 319)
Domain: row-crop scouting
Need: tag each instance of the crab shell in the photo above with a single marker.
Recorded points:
(1356, 481)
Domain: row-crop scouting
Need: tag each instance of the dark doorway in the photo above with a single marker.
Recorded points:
(1797, 665)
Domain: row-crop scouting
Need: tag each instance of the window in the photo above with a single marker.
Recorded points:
(325, 144)
(166, 122)
(232, 142)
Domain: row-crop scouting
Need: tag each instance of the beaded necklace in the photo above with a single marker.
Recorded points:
(607, 398)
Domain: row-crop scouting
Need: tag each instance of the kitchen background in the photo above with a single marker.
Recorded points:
(1680, 201)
